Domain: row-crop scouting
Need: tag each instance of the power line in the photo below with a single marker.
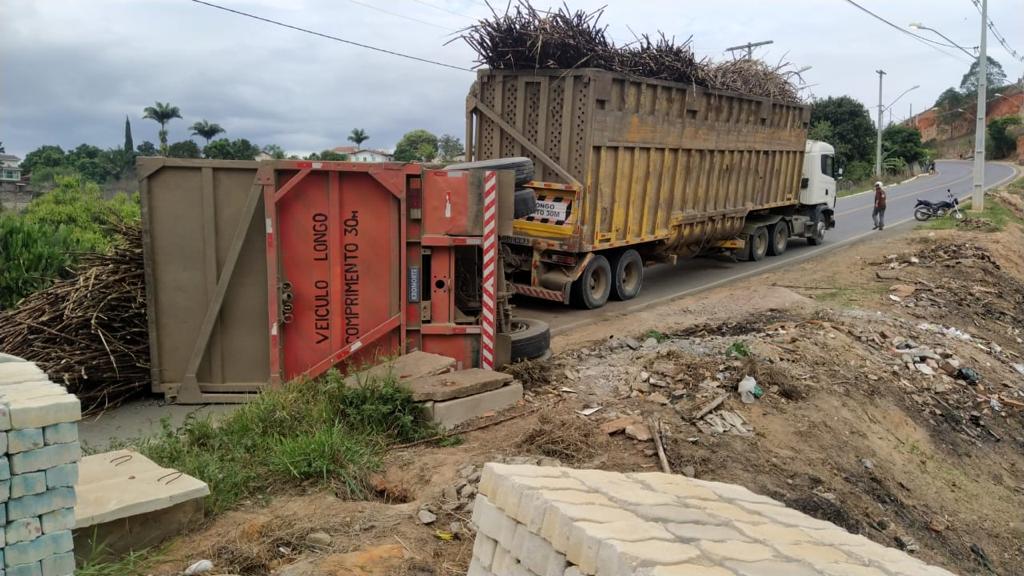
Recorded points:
(926, 41)
(443, 9)
(329, 37)
(998, 36)
(402, 16)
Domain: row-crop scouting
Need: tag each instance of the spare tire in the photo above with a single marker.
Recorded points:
(522, 166)
(526, 202)
(531, 339)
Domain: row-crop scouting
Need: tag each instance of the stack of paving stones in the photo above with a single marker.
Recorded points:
(38, 471)
(542, 521)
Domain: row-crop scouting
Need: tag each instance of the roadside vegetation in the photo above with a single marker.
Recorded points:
(322, 433)
(38, 245)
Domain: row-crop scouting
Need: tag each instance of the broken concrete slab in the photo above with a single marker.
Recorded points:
(439, 387)
(406, 367)
(453, 412)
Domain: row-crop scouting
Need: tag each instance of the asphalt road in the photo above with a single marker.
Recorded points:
(664, 282)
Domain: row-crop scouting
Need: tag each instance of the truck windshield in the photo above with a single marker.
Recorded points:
(826, 165)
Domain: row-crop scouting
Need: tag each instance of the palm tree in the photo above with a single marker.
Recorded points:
(358, 136)
(206, 129)
(162, 113)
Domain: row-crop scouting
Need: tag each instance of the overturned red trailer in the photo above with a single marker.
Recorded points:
(261, 272)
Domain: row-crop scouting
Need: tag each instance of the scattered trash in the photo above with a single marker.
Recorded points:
(725, 421)
(969, 375)
(200, 567)
(749, 390)
(588, 411)
(868, 463)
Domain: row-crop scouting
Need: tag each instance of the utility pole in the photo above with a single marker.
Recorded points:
(749, 47)
(878, 145)
(978, 194)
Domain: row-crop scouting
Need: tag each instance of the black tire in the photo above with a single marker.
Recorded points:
(531, 339)
(818, 234)
(525, 203)
(628, 278)
(922, 214)
(522, 166)
(778, 235)
(592, 288)
(758, 244)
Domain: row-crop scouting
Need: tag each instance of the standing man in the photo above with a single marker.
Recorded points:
(878, 214)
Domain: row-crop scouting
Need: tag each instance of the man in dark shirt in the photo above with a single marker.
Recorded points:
(878, 214)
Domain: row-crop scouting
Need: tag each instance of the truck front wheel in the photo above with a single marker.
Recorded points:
(592, 288)
(820, 222)
(629, 275)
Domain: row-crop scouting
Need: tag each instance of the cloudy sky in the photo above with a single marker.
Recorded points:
(71, 70)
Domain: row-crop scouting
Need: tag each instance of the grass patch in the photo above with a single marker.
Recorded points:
(309, 432)
(135, 562)
(658, 336)
(993, 218)
(738, 349)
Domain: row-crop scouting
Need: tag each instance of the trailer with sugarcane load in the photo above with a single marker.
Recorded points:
(629, 171)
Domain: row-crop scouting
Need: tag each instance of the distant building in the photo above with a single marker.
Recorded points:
(367, 155)
(356, 154)
(9, 169)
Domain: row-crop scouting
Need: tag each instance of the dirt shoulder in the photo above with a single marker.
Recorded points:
(892, 406)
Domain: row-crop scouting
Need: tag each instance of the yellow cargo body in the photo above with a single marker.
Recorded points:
(657, 162)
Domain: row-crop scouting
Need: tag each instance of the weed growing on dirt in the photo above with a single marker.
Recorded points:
(659, 336)
(135, 562)
(322, 432)
(738, 349)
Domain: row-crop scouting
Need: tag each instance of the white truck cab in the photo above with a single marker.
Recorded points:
(818, 183)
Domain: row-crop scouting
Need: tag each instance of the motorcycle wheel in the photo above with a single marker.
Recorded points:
(922, 214)
(958, 215)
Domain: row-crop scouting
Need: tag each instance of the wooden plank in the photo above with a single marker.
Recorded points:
(542, 113)
(210, 260)
(520, 110)
(213, 309)
(541, 156)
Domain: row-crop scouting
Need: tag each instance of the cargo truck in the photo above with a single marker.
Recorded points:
(629, 171)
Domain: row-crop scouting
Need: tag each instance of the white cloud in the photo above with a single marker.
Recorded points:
(71, 70)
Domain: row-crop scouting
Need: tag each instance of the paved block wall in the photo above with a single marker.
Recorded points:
(39, 454)
(543, 521)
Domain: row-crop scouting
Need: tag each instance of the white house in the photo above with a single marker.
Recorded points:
(9, 169)
(366, 155)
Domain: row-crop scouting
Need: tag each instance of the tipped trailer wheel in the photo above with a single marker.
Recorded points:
(592, 288)
(758, 241)
(628, 270)
(523, 167)
(779, 236)
(531, 339)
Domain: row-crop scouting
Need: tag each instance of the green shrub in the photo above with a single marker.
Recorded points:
(31, 257)
(76, 207)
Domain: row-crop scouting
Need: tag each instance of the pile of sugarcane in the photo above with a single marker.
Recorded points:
(524, 38)
(89, 332)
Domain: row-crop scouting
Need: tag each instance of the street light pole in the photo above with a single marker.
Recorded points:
(878, 144)
(978, 193)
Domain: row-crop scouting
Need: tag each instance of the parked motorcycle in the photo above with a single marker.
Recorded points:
(926, 209)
